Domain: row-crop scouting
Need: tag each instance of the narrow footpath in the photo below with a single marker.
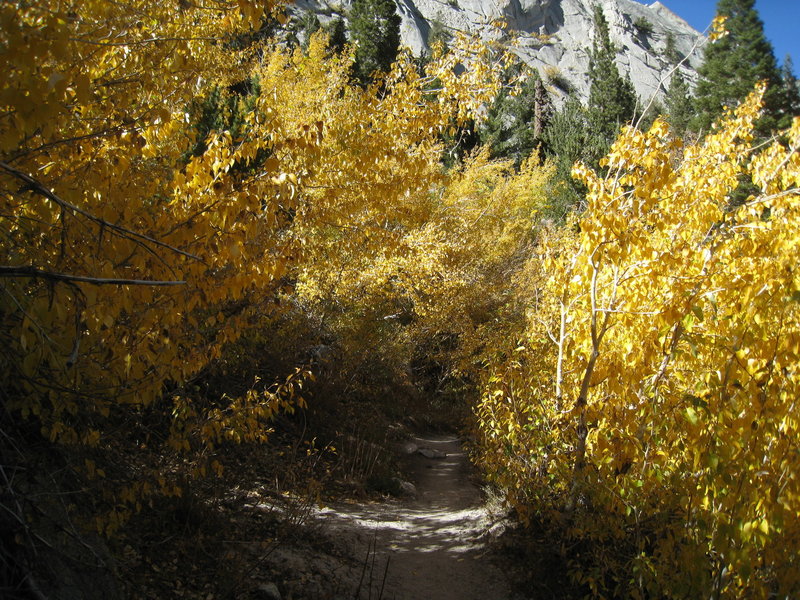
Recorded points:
(430, 546)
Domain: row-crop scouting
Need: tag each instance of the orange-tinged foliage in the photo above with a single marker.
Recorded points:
(642, 378)
(654, 402)
(129, 263)
(94, 130)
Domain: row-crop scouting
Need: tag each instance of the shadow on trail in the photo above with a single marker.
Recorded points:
(433, 543)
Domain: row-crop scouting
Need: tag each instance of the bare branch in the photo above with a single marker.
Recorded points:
(95, 134)
(31, 271)
(147, 41)
(37, 187)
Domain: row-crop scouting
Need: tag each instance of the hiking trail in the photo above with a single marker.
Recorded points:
(431, 546)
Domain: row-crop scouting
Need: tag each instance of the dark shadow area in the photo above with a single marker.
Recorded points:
(431, 546)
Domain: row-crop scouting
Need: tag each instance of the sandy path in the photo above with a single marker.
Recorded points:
(432, 543)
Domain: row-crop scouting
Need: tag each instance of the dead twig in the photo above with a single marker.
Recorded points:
(35, 186)
(31, 271)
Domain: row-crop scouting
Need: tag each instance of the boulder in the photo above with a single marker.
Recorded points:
(408, 448)
(431, 453)
(268, 591)
(406, 487)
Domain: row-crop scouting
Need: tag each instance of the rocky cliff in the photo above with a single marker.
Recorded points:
(554, 36)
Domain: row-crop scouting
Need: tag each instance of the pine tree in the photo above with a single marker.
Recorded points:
(338, 35)
(309, 24)
(516, 124)
(733, 64)
(566, 138)
(375, 31)
(790, 85)
(671, 52)
(612, 99)
(678, 100)
(223, 109)
(679, 103)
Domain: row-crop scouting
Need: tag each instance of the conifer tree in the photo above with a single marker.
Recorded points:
(612, 99)
(516, 124)
(671, 52)
(679, 103)
(678, 100)
(733, 64)
(375, 31)
(790, 85)
(566, 139)
(309, 24)
(338, 35)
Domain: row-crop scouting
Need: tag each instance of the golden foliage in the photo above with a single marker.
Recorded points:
(96, 190)
(135, 253)
(642, 376)
(718, 29)
(653, 402)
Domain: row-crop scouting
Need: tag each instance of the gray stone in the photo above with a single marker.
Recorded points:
(552, 35)
(269, 591)
(430, 453)
(409, 448)
(406, 487)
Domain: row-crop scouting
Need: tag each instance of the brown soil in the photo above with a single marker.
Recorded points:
(428, 547)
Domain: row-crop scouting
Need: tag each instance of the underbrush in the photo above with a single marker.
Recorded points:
(536, 563)
(137, 517)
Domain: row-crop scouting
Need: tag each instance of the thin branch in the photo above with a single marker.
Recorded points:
(96, 134)
(37, 187)
(777, 170)
(42, 332)
(147, 41)
(31, 271)
(628, 312)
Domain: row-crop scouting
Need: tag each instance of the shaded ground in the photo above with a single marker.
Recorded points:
(264, 544)
(431, 546)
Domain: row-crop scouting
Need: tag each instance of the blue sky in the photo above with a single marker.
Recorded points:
(781, 21)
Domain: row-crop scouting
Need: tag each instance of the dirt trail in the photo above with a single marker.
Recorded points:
(432, 543)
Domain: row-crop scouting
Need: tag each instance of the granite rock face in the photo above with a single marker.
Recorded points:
(554, 36)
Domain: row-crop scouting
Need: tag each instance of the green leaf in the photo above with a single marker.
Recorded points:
(698, 312)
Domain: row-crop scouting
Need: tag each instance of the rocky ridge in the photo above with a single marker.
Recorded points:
(554, 36)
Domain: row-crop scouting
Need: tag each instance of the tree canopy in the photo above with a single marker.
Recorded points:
(375, 32)
(181, 197)
(734, 63)
(678, 100)
(516, 123)
(612, 99)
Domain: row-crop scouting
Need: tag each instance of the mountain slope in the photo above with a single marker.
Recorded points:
(554, 36)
